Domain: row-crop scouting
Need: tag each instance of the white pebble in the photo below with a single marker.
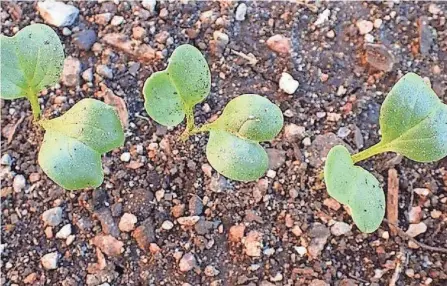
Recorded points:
(288, 83)
(167, 225)
(19, 183)
(125, 157)
(241, 11)
(64, 232)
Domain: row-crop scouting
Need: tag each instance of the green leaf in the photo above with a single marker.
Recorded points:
(413, 121)
(354, 186)
(30, 61)
(71, 150)
(172, 93)
(233, 148)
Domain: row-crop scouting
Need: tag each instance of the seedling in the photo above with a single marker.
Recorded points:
(233, 147)
(73, 143)
(30, 61)
(413, 122)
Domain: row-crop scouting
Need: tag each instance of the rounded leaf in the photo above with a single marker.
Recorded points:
(236, 158)
(190, 74)
(73, 143)
(354, 186)
(30, 61)
(162, 101)
(253, 117)
(413, 121)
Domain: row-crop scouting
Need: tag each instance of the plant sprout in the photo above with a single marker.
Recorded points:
(413, 122)
(73, 143)
(233, 148)
(31, 61)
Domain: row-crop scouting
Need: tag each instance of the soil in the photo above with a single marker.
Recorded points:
(166, 178)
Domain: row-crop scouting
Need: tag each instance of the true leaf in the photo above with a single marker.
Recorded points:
(73, 143)
(172, 93)
(30, 61)
(233, 148)
(354, 186)
(413, 121)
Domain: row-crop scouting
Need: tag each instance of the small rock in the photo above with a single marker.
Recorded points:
(340, 228)
(378, 23)
(332, 204)
(49, 260)
(434, 9)
(117, 20)
(323, 17)
(195, 205)
(422, 192)
(103, 19)
(108, 244)
(301, 250)
(52, 217)
(70, 239)
(379, 57)
(318, 282)
(211, 271)
(178, 210)
(241, 11)
(188, 220)
(385, 235)
(330, 34)
(125, 157)
(253, 243)
(278, 277)
(288, 84)
(293, 132)
(435, 214)
(31, 278)
(426, 37)
(64, 232)
(71, 72)
(87, 75)
(343, 132)
(145, 234)
(119, 41)
(321, 146)
(108, 223)
(34, 177)
(296, 230)
(279, 44)
(104, 71)
(271, 174)
(236, 233)
(167, 225)
(415, 214)
(138, 33)
(187, 262)
(320, 235)
(149, 5)
(19, 183)
(6, 160)
(276, 157)
(221, 39)
(364, 26)
(416, 229)
(57, 13)
(127, 222)
(66, 32)
(85, 39)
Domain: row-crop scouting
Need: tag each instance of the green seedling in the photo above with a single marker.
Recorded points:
(73, 143)
(233, 148)
(31, 61)
(413, 122)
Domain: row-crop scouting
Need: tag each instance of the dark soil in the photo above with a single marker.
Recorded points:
(173, 174)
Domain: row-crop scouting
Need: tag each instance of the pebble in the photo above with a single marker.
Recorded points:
(364, 26)
(379, 57)
(415, 214)
(52, 217)
(145, 234)
(301, 250)
(84, 39)
(188, 220)
(66, 32)
(288, 84)
(167, 225)
(276, 157)
(64, 232)
(222, 39)
(6, 160)
(87, 75)
(70, 239)
(330, 34)
(279, 44)
(340, 228)
(211, 271)
(104, 71)
(385, 235)
(138, 33)
(416, 229)
(253, 244)
(187, 262)
(117, 20)
(343, 132)
(323, 17)
(195, 205)
(57, 13)
(108, 244)
(19, 183)
(178, 210)
(125, 157)
(293, 132)
(378, 23)
(271, 174)
(103, 19)
(321, 146)
(236, 233)
(434, 9)
(108, 223)
(296, 230)
(127, 222)
(149, 5)
(435, 214)
(241, 11)
(71, 72)
(423, 192)
(320, 234)
(49, 260)
(332, 204)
